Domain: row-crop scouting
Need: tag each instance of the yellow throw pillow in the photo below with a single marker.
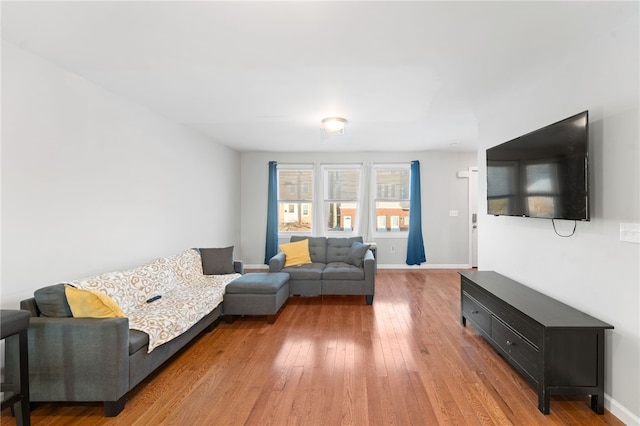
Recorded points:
(296, 253)
(91, 304)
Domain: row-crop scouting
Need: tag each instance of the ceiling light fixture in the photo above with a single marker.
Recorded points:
(333, 126)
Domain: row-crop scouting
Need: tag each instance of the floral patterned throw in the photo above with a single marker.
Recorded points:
(187, 295)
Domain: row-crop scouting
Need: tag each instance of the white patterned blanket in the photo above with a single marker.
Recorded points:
(187, 294)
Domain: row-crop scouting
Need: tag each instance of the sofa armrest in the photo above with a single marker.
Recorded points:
(78, 359)
(238, 266)
(276, 263)
(370, 265)
(31, 306)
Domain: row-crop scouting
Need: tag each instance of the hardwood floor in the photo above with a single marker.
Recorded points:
(331, 360)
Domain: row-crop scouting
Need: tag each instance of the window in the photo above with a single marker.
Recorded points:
(295, 199)
(319, 199)
(395, 223)
(392, 196)
(341, 193)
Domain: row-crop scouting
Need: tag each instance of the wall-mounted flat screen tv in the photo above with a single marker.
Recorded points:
(542, 174)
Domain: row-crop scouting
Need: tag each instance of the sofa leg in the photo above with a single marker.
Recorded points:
(369, 299)
(113, 408)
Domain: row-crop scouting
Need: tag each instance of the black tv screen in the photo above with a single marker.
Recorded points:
(542, 174)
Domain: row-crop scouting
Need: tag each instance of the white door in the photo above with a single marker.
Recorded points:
(473, 210)
(290, 213)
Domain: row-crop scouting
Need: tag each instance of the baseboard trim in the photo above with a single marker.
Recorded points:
(425, 266)
(392, 266)
(623, 414)
(259, 266)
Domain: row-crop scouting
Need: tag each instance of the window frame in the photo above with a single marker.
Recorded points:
(301, 203)
(373, 216)
(357, 216)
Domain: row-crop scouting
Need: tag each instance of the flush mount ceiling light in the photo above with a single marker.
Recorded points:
(333, 126)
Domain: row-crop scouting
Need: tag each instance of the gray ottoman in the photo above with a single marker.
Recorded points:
(259, 293)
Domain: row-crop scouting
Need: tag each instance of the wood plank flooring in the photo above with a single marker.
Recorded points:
(334, 360)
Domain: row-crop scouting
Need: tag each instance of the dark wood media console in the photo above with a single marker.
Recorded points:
(559, 349)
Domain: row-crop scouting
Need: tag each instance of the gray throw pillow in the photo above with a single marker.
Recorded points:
(356, 254)
(217, 261)
(52, 301)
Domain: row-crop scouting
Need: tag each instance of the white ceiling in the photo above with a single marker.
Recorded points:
(259, 76)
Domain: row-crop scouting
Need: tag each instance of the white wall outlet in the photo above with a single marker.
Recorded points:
(453, 213)
(630, 232)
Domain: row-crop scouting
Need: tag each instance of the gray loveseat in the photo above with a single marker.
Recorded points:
(333, 269)
(101, 359)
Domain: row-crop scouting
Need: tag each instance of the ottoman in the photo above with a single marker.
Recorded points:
(258, 293)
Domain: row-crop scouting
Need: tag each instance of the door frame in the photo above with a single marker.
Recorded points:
(472, 170)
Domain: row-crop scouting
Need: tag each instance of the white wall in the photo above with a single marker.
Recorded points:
(445, 238)
(93, 183)
(592, 271)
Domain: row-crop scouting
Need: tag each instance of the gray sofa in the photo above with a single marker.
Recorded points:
(94, 359)
(332, 269)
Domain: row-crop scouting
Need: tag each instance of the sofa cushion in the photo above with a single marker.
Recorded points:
(339, 248)
(310, 271)
(137, 340)
(296, 253)
(91, 304)
(217, 261)
(52, 301)
(317, 247)
(342, 271)
(356, 254)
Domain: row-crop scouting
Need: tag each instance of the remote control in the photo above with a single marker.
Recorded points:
(153, 299)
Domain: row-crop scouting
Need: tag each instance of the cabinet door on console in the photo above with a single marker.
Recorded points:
(574, 358)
